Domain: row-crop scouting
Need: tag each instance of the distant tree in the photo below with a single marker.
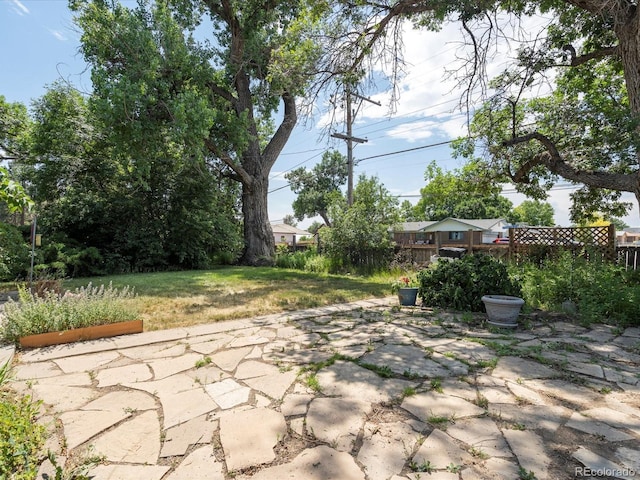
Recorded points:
(408, 212)
(317, 187)
(359, 236)
(314, 227)
(460, 193)
(532, 212)
(601, 221)
(290, 220)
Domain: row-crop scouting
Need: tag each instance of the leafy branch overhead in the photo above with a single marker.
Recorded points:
(566, 107)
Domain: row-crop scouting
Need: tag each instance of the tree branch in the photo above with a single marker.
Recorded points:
(581, 59)
(242, 175)
(280, 137)
(555, 163)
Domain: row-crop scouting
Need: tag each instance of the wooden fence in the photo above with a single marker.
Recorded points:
(537, 243)
(628, 256)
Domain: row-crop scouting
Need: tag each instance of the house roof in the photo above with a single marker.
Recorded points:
(283, 228)
(473, 224)
(412, 226)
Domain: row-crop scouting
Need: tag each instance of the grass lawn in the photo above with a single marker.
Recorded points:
(176, 299)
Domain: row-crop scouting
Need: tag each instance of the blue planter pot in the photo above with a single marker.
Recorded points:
(407, 296)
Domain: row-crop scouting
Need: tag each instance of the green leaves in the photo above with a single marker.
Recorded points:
(12, 193)
(359, 235)
(465, 193)
(460, 284)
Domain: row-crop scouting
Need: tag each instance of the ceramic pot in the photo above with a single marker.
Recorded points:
(407, 296)
(503, 310)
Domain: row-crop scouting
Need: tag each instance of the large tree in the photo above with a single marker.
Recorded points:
(462, 193)
(586, 131)
(317, 187)
(221, 96)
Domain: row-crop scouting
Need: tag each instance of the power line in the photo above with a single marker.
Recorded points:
(379, 156)
(431, 145)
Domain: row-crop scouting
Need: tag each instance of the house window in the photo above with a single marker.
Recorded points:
(283, 239)
(456, 235)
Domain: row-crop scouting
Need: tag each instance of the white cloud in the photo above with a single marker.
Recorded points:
(413, 131)
(19, 8)
(58, 34)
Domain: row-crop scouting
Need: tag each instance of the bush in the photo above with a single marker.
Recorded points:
(14, 253)
(85, 307)
(460, 284)
(601, 291)
(307, 260)
(21, 438)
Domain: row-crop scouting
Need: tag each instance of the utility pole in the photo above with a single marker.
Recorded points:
(350, 139)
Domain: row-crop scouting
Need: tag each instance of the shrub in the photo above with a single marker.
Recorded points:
(86, 306)
(307, 260)
(21, 438)
(14, 253)
(460, 284)
(600, 290)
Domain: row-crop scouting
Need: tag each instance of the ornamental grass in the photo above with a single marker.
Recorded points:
(51, 312)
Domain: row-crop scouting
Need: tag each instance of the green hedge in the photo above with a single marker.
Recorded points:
(460, 284)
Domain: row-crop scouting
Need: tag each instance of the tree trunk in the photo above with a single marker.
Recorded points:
(628, 33)
(259, 245)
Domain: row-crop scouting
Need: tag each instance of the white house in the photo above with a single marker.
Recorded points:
(286, 234)
(457, 230)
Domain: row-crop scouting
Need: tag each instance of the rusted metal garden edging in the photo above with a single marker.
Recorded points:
(80, 334)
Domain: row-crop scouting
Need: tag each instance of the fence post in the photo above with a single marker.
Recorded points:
(612, 243)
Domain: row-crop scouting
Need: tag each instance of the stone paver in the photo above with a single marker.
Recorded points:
(596, 465)
(386, 448)
(482, 434)
(200, 463)
(228, 393)
(134, 441)
(405, 358)
(248, 437)
(528, 447)
(337, 421)
(179, 438)
(411, 394)
(586, 424)
(319, 463)
(349, 380)
(433, 404)
(440, 450)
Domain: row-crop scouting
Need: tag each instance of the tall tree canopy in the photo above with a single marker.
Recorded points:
(532, 212)
(460, 194)
(586, 131)
(159, 87)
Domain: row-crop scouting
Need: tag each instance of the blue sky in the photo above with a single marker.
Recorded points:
(39, 44)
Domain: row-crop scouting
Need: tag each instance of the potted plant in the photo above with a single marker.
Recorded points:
(407, 290)
(502, 310)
